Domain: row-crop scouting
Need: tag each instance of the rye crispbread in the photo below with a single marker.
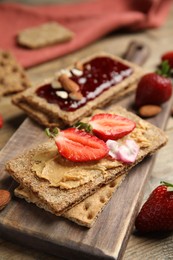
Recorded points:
(49, 114)
(58, 200)
(86, 212)
(43, 35)
(13, 78)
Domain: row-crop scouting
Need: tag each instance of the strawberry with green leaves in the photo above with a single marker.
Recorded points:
(157, 212)
(154, 88)
(86, 142)
(108, 126)
(77, 145)
(168, 56)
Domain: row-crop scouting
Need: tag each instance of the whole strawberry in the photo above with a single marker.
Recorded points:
(157, 212)
(169, 57)
(1, 121)
(154, 88)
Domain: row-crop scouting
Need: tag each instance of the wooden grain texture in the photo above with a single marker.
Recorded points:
(160, 40)
(109, 236)
(158, 247)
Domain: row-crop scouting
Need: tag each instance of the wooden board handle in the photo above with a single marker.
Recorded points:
(137, 52)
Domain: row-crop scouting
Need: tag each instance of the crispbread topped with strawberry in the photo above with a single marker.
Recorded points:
(60, 182)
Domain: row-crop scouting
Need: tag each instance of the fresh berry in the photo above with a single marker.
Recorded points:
(1, 121)
(153, 89)
(78, 146)
(109, 126)
(169, 57)
(157, 212)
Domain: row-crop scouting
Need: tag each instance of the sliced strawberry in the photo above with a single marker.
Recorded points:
(109, 126)
(78, 146)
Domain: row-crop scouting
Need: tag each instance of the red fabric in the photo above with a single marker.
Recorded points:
(89, 20)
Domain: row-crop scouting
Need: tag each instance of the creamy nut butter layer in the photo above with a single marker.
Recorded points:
(76, 91)
(57, 185)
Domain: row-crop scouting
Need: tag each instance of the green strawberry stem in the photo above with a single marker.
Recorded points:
(164, 69)
(84, 126)
(52, 133)
(167, 184)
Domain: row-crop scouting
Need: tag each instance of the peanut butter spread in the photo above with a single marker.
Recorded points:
(65, 174)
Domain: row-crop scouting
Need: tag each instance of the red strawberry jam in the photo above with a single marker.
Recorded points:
(99, 74)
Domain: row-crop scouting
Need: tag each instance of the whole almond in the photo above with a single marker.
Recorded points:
(62, 94)
(5, 198)
(149, 110)
(172, 111)
(63, 71)
(68, 84)
(76, 95)
(77, 72)
(55, 84)
(78, 65)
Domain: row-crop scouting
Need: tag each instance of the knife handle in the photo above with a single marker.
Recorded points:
(137, 52)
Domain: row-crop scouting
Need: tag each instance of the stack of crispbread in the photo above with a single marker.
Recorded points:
(91, 184)
(51, 114)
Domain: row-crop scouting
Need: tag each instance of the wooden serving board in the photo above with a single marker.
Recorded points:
(31, 226)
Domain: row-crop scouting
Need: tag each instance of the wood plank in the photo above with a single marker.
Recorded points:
(31, 226)
(157, 246)
(139, 247)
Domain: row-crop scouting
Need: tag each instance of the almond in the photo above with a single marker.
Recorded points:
(88, 66)
(78, 65)
(63, 71)
(172, 111)
(77, 72)
(76, 95)
(62, 94)
(5, 198)
(149, 110)
(55, 84)
(68, 84)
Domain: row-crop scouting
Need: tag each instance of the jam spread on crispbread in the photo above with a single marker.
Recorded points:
(98, 75)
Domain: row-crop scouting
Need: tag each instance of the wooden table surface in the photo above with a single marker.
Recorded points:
(160, 40)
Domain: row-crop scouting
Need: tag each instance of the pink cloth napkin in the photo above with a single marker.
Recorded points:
(89, 20)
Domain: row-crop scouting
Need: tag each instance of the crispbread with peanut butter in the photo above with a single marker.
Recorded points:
(51, 113)
(39, 169)
(86, 212)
